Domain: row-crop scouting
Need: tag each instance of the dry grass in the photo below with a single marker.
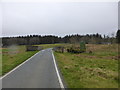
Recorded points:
(107, 48)
(90, 70)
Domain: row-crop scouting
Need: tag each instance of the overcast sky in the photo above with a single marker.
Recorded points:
(59, 18)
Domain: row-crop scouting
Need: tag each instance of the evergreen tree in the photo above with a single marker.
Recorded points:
(118, 36)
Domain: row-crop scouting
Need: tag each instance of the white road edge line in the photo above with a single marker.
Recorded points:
(18, 66)
(59, 78)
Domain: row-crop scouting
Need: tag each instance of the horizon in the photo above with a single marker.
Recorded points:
(109, 35)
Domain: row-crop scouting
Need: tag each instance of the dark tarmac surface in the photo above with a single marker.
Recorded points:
(38, 72)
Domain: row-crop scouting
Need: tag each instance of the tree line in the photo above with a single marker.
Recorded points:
(51, 39)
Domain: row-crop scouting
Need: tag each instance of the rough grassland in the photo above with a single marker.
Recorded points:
(96, 70)
(52, 45)
(13, 56)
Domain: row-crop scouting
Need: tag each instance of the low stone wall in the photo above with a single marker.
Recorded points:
(33, 48)
(59, 49)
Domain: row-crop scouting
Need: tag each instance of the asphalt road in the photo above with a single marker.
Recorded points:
(38, 72)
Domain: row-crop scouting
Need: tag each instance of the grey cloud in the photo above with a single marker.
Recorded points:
(59, 18)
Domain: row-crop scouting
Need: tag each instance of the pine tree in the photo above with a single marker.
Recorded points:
(118, 36)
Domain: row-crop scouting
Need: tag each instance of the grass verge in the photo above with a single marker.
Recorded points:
(96, 70)
(13, 56)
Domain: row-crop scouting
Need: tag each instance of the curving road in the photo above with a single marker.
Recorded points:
(38, 72)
